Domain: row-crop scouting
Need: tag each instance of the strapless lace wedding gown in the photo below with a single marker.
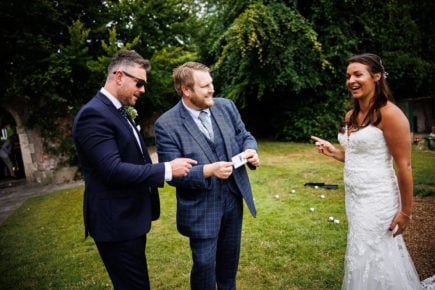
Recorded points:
(374, 259)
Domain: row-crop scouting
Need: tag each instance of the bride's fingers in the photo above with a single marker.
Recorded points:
(320, 147)
(319, 143)
(397, 228)
(392, 225)
(317, 139)
(399, 231)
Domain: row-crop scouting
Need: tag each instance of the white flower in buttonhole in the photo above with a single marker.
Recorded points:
(131, 112)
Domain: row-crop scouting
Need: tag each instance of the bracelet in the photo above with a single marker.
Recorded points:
(408, 216)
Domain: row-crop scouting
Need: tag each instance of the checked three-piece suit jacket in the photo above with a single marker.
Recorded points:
(198, 199)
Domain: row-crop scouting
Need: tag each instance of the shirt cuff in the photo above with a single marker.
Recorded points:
(168, 171)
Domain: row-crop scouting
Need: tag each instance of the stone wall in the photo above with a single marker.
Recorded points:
(39, 166)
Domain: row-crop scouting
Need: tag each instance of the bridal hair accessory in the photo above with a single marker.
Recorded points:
(384, 73)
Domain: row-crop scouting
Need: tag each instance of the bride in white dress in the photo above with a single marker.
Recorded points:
(378, 202)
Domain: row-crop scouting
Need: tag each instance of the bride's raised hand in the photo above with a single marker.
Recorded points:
(325, 147)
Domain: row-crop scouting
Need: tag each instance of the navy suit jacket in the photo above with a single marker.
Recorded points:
(198, 200)
(121, 197)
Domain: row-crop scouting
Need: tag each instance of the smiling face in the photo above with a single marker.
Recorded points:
(200, 96)
(360, 82)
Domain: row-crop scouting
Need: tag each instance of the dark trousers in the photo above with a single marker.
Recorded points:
(215, 260)
(126, 263)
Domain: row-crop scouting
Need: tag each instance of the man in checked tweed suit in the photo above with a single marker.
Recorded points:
(210, 197)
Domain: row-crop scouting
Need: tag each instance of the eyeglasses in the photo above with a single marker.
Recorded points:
(139, 82)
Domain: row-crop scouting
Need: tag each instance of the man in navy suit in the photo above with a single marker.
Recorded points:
(121, 197)
(210, 197)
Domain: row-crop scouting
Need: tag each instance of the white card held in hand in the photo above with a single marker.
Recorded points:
(239, 160)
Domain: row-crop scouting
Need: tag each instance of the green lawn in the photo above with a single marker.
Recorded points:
(287, 246)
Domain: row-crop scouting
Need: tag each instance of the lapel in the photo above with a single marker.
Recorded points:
(114, 111)
(127, 126)
(144, 147)
(224, 128)
(191, 127)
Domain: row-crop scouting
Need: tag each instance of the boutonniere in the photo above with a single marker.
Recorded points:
(131, 112)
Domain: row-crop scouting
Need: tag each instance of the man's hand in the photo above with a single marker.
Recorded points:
(252, 157)
(181, 166)
(221, 169)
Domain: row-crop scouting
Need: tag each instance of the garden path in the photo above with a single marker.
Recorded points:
(14, 192)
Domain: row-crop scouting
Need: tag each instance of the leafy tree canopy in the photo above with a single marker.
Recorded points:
(281, 59)
(260, 53)
(285, 60)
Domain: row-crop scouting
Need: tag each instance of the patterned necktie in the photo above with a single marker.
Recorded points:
(123, 112)
(206, 122)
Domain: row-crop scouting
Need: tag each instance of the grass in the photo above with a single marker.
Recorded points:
(423, 167)
(287, 246)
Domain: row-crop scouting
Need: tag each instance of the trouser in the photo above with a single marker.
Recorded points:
(126, 263)
(215, 260)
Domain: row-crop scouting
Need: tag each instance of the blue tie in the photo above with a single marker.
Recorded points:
(123, 112)
(206, 122)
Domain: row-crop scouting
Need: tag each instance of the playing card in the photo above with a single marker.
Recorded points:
(239, 160)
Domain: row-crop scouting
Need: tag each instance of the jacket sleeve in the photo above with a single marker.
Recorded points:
(107, 151)
(169, 147)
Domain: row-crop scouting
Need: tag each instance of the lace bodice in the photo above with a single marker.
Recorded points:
(366, 149)
(374, 259)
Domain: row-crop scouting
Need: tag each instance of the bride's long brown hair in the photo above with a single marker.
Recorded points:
(382, 92)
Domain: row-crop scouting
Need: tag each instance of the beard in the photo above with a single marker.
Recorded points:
(128, 100)
(202, 102)
(132, 100)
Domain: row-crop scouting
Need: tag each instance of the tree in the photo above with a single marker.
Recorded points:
(56, 57)
(265, 40)
(44, 73)
(395, 30)
(167, 34)
(259, 64)
(285, 60)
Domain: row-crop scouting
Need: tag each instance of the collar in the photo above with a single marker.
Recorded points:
(195, 113)
(114, 100)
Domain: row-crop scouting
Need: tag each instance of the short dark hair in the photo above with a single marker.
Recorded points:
(126, 58)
